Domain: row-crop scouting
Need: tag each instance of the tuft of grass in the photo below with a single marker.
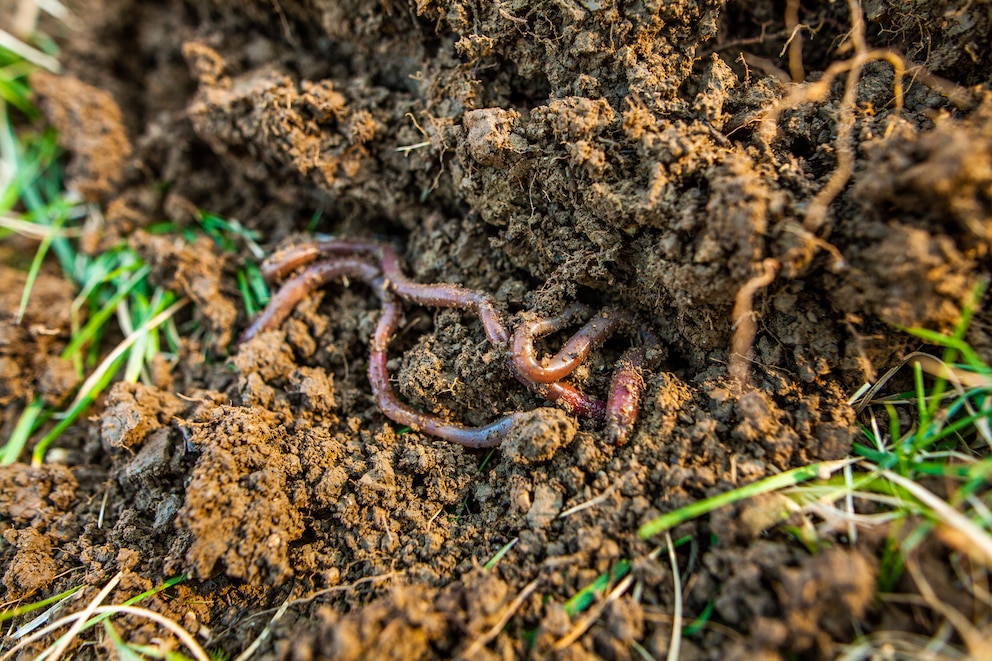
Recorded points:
(113, 286)
(232, 237)
(923, 469)
(115, 298)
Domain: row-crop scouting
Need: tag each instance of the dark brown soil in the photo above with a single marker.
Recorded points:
(546, 153)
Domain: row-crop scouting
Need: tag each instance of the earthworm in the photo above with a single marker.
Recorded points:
(297, 288)
(343, 258)
(576, 349)
(624, 399)
(626, 385)
(435, 295)
(444, 296)
(570, 397)
(314, 276)
(486, 436)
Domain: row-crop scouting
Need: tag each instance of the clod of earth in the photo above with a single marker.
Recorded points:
(378, 266)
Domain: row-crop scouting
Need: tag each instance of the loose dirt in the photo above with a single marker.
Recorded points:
(546, 153)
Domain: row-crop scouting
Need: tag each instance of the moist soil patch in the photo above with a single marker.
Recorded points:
(651, 156)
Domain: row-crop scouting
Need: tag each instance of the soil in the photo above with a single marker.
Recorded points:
(546, 153)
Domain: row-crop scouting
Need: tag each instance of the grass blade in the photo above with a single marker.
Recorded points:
(109, 308)
(39, 258)
(101, 377)
(499, 554)
(19, 438)
(979, 538)
(27, 608)
(584, 597)
(707, 505)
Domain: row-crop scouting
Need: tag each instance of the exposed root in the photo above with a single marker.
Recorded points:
(817, 91)
(795, 42)
(745, 325)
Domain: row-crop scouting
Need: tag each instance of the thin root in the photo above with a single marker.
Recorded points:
(745, 326)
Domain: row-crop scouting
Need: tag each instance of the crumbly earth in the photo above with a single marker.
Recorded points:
(545, 152)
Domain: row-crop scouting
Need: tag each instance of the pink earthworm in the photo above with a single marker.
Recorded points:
(340, 258)
(296, 289)
(576, 349)
(315, 275)
(486, 436)
(435, 295)
(570, 398)
(623, 402)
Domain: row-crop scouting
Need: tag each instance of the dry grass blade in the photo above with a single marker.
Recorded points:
(149, 325)
(32, 55)
(82, 618)
(266, 632)
(36, 231)
(66, 640)
(594, 614)
(592, 502)
(981, 542)
(900, 645)
(344, 588)
(979, 643)
(926, 362)
(186, 637)
(473, 650)
(959, 378)
(675, 644)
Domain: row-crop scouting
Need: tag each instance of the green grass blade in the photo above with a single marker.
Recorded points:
(39, 258)
(97, 321)
(80, 404)
(883, 459)
(500, 554)
(97, 619)
(27, 608)
(584, 597)
(701, 620)
(136, 359)
(923, 411)
(165, 585)
(769, 484)
(978, 537)
(123, 650)
(159, 653)
(101, 378)
(246, 294)
(16, 93)
(933, 337)
(14, 446)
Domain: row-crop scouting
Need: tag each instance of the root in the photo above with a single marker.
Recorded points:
(745, 325)
(816, 213)
(795, 42)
